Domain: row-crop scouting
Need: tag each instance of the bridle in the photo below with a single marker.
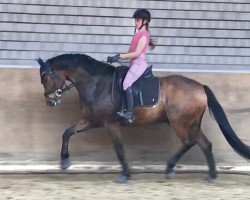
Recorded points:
(56, 91)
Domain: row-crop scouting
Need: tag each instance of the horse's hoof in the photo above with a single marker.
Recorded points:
(170, 175)
(122, 179)
(65, 163)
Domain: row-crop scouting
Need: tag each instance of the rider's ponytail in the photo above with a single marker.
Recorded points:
(152, 42)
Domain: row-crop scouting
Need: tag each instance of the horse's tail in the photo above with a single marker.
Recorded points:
(220, 116)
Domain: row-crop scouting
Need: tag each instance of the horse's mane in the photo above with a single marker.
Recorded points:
(91, 65)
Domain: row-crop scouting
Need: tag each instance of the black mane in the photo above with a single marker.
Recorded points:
(92, 66)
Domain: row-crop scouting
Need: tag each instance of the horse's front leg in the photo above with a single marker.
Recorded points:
(118, 146)
(79, 127)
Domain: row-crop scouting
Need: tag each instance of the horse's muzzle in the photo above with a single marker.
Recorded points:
(53, 98)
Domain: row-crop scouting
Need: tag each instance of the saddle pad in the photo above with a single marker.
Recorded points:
(146, 92)
(145, 89)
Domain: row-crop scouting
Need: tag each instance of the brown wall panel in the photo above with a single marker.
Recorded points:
(32, 131)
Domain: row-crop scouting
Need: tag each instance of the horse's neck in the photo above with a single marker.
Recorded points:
(90, 88)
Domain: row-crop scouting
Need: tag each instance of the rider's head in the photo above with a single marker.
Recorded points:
(142, 17)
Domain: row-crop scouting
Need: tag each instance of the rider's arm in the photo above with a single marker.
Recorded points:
(141, 44)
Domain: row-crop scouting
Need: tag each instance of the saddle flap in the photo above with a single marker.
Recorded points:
(148, 73)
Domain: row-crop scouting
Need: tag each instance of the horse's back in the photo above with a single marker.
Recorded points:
(177, 84)
(180, 82)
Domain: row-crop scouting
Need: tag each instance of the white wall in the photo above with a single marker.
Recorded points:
(194, 34)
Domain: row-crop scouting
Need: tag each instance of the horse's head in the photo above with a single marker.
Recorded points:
(53, 82)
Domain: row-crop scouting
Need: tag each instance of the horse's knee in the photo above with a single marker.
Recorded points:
(209, 147)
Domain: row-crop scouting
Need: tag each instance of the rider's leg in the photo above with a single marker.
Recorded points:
(130, 99)
(132, 75)
(128, 114)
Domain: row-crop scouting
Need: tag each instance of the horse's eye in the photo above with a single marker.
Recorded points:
(44, 79)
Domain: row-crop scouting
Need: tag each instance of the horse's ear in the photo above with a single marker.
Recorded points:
(40, 61)
(42, 65)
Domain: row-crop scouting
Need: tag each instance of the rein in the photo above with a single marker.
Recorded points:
(67, 87)
(59, 92)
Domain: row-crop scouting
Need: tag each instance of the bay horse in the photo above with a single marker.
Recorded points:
(182, 103)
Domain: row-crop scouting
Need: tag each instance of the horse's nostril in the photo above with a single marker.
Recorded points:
(53, 102)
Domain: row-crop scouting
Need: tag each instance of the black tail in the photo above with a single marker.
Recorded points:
(219, 115)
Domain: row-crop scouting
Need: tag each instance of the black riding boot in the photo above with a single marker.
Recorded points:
(128, 114)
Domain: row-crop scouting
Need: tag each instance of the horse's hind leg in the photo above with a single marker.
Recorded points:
(174, 159)
(118, 146)
(206, 147)
(79, 127)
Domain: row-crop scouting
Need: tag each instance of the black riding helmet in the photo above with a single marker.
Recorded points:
(142, 14)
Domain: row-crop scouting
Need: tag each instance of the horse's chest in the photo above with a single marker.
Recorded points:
(99, 106)
(98, 103)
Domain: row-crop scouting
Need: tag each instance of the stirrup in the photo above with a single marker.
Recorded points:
(129, 116)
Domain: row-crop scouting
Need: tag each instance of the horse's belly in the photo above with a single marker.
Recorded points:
(153, 114)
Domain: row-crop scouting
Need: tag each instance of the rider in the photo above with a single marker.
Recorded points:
(137, 56)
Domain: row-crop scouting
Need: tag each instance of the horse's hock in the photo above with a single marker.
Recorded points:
(33, 131)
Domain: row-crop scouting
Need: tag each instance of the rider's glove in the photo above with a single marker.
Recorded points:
(114, 58)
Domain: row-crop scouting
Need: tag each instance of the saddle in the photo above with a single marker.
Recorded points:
(145, 89)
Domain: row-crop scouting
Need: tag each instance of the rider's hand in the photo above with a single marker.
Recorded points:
(114, 58)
